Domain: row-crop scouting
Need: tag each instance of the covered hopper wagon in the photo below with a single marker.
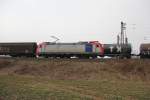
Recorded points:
(18, 49)
(145, 50)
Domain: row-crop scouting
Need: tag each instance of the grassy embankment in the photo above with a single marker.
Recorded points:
(45, 79)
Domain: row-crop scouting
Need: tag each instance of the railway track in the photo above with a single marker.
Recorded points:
(66, 59)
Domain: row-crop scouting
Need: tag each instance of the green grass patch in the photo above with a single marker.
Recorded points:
(15, 87)
(29, 88)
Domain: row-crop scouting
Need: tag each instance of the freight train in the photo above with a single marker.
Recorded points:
(91, 49)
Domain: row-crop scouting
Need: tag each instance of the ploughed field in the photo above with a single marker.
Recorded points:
(74, 79)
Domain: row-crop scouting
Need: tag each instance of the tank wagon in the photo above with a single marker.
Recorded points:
(115, 50)
(27, 49)
(145, 50)
(79, 49)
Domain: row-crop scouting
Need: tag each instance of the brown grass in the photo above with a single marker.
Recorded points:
(78, 69)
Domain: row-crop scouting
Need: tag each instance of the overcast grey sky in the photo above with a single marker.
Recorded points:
(74, 20)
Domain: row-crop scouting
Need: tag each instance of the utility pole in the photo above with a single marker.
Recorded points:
(123, 38)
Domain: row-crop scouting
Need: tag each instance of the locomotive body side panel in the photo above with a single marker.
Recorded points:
(68, 49)
(64, 48)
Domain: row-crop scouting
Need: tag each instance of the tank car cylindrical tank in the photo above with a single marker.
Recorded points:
(145, 50)
(114, 50)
